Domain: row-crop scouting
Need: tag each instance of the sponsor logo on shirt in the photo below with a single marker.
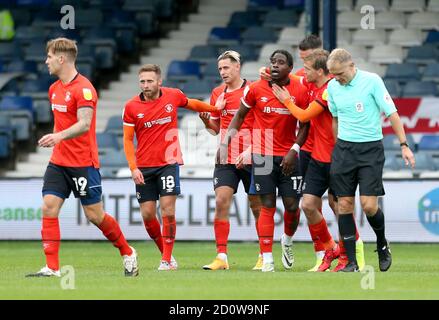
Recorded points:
(59, 107)
(160, 121)
(87, 94)
(269, 109)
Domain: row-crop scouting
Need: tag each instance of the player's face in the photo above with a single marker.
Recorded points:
(342, 72)
(150, 83)
(53, 62)
(304, 53)
(311, 74)
(229, 70)
(279, 67)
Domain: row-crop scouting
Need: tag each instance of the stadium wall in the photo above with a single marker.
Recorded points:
(411, 208)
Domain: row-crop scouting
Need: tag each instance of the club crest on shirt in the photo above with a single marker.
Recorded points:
(387, 98)
(87, 94)
(53, 96)
(359, 107)
(169, 107)
(67, 98)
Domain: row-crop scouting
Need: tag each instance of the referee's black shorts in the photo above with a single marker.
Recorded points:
(357, 163)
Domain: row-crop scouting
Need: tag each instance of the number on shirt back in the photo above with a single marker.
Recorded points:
(168, 183)
(81, 184)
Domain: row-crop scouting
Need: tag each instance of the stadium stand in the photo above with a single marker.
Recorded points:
(403, 49)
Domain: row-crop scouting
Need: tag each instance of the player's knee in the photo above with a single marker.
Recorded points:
(308, 207)
(369, 209)
(222, 202)
(168, 210)
(49, 210)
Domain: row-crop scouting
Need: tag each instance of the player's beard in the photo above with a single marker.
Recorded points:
(151, 94)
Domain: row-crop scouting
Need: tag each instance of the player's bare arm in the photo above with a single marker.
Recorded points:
(232, 130)
(84, 115)
(212, 125)
(289, 160)
(397, 127)
(335, 127)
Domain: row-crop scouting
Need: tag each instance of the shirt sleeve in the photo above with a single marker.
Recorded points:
(127, 117)
(86, 97)
(382, 97)
(331, 104)
(181, 98)
(322, 99)
(248, 97)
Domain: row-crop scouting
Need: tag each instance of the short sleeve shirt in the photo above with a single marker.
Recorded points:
(66, 100)
(155, 126)
(358, 106)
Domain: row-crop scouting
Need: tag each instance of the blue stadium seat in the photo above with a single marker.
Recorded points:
(258, 36)
(86, 54)
(114, 125)
(33, 3)
(420, 89)
(248, 52)
(281, 18)
(21, 121)
(429, 143)
(139, 5)
(147, 23)
(107, 142)
(102, 39)
(16, 103)
(22, 66)
(432, 37)
(49, 18)
(171, 83)
(10, 88)
(43, 111)
(296, 4)
(393, 87)
(211, 72)
(111, 162)
(4, 145)
(392, 161)
(263, 5)
(183, 70)
(422, 54)
(391, 142)
(226, 36)
(26, 34)
(203, 53)
(431, 72)
(123, 23)
(57, 32)
(9, 50)
(199, 89)
(36, 88)
(21, 17)
(88, 18)
(424, 161)
(403, 72)
(86, 69)
(36, 51)
(243, 20)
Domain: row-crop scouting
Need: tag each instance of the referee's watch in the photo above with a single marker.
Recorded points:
(404, 144)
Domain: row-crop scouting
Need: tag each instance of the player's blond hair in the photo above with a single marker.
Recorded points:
(149, 67)
(339, 55)
(230, 54)
(63, 46)
(318, 58)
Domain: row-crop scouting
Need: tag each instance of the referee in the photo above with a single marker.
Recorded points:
(356, 100)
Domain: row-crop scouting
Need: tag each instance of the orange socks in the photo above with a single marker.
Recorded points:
(51, 238)
(222, 228)
(321, 232)
(111, 230)
(318, 244)
(153, 228)
(266, 229)
(291, 221)
(169, 228)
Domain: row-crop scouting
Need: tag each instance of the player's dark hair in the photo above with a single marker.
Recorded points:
(151, 68)
(286, 54)
(319, 58)
(310, 42)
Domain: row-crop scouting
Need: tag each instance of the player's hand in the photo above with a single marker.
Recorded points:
(281, 93)
(205, 117)
(49, 140)
(221, 154)
(137, 176)
(408, 157)
(220, 103)
(264, 74)
(288, 162)
(243, 159)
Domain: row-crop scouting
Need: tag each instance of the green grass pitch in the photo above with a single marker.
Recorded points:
(99, 274)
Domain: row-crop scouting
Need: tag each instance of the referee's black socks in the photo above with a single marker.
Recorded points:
(346, 227)
(377, 224)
